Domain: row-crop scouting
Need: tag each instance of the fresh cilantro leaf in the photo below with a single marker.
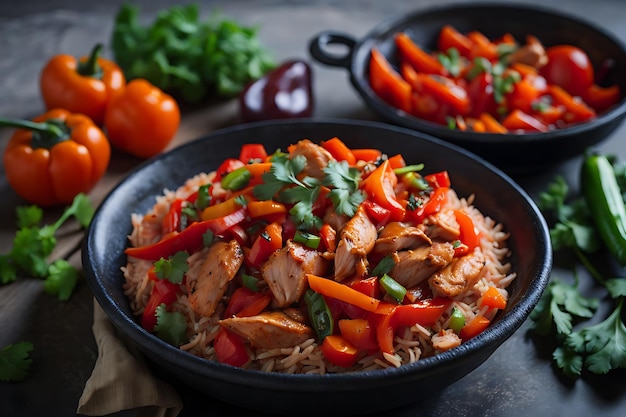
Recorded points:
(568, 361)
(61, 280)
(32, 245)
(28, 216)
(616, 287)
(559, 304)
(171, 326)
(603, 344)
(15, 361)
(172, 269)
(8, 270)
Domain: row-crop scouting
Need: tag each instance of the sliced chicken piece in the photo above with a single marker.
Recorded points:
(208, 285)
(397, 236)
(414, 266)
(532, 54)
(444, 226)
(286, 268)
(269, 330)
(316, 157)
(459, 276)
(357, 240)
(336, 221)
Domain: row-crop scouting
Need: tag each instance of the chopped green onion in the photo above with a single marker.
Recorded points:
(237, 179)
(393, 288)
(457, 320)
(250, 282)
(384, 266)
(408, 168)
(319, 314)
(309, 239)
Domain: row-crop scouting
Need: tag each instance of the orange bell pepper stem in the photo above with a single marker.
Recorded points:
(57, 155)
(82, 86)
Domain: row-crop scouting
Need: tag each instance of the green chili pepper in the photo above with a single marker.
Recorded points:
(408, 168)
(393, 288)
(237, 179)
(309, 239)
(457, 320)
(601, 191)
(319, 314)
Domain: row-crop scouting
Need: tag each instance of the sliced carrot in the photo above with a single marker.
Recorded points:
(330, 288)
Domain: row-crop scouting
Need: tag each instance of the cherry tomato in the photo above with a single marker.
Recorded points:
(569, 67)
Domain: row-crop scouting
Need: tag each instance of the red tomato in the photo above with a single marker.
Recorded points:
(570, 68)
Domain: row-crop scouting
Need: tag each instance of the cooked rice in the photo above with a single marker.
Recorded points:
(416, 341)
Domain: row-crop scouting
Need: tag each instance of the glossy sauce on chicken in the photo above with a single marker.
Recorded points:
(319, 259)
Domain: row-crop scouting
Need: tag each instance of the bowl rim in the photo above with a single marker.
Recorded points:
(490, 339)
(362, 48)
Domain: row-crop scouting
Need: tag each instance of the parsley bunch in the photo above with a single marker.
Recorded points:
(563, 309)
(15, 361)
(282, 184)
(187, 56)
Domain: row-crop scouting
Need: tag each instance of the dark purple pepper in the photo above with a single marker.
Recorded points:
(284, 92)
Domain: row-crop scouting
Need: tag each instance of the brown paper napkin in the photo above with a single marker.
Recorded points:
(121, 381)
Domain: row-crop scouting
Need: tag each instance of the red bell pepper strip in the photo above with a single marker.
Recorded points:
(437, 199)
(388, 317)
(252, 152)
(468, 235)
(190, 239)
(229, 348)
(339, 351)
(379, 214)
(171, 221)
(269, 241)
(245, 303)
(438, 179)
(379, 186)
(163, 292)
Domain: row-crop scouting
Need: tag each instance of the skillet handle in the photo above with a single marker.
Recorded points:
(318, 48)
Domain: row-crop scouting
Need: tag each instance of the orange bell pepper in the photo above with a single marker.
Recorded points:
(54, 157)
(339, 351)
(82, 86)
(142, 120)
(339, 150)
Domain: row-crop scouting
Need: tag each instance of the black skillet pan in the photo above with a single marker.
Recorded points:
(514, 153)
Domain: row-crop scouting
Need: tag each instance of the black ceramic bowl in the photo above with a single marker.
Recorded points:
(496, 195)
(514, 153)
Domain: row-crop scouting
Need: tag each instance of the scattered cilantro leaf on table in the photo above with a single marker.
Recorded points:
(596, 348)
(15, 361)
(33, 244)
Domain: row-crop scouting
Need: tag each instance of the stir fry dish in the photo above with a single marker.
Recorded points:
(319, 258)
(473, 83)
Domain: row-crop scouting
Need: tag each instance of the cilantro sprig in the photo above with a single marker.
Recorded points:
(283, 184)
(15, 361)
(33, 244)
(596, 348)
